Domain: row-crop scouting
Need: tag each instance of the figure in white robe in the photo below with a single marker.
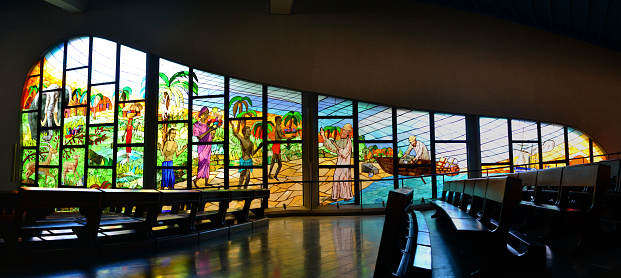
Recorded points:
(343, 148)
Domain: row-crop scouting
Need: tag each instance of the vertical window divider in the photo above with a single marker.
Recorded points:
(265, 127)
(510, 138)
(590, 150)
(190, 132)
(37, 140)
(117, 83)
(151, 124)
(61, 145)
(226, 132)
(395, 151)
(566, 138)
(432, 143)
(539, 145)
(356, 177)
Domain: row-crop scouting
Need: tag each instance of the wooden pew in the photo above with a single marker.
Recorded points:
(176, 226)
(400, 253)
(131, 229)
(529, 180)
(240, 220)
(211, 223)
(259, 213)
(37, 227)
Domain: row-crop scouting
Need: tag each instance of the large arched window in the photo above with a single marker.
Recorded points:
(94, 115)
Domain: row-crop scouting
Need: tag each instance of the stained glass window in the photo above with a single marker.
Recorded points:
(413, 126)
(552, 142)
(494, 137)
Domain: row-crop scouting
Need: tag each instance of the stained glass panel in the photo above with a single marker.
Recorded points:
(376, 168)
(48, 147)
(132, 74)
(100, 146)
(244, 142)
(450, 158)
(29, 129)
(168, 178)
(73, 167)
(74, 126)
(29, 94)
(29, 157)
(131, 123)
(102, 104)
(330, 106)
(173, 91)
(77, 52)
(494, 140)
(130, 167)
(553, 142)
(525, 156)
(450, 127)
(208, 120)
(104, 61)
(48, 177)
(172, 144)
(245, 178)
(374, 122)
(336, 186)
(412, 123)
(77, 83)
(208, 165)
(524, 130)
(53, 67)
(245, 99)
(209, 84)
(286, 104)
(334, 135)
(578, 146)
(99, 178)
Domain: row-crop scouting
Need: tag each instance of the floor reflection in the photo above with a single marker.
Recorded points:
(343, 246)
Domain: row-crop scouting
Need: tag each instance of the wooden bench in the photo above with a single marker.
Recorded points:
(37, 227)
(241, 219)
(259, 218)
(405, 249)
(211, 223)
(176, 225)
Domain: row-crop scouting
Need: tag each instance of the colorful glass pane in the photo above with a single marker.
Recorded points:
(208, 165)
(578, 144)
(99, 178)
(451, 158)
(245, 139)
(245, 99)
(104, 61)
(173, 91)
(412, 123)
(100, 152)
(494, 140)
(376, 169)
(450, 127)
(524, 130)
(208, 120)
(77, 83)
(132, 74)
(525, 156)
(172, 143)
(330, 106)
(131, 123)
(74, 126)
(552, 142)
(77, 52)
(48, 177)
(374, 122)
(53, 67)
(29, 129)
(287, 173)
(130, 167)
(73, 167)
(169, 178)
(245, 179)
(102, 104)
(29, 94)
(336, 186)
(334, 135)
(48, 147)
(209, 84)
(598, 152)
(29, 157)
(286, 104)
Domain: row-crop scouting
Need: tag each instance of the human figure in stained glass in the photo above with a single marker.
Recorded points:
(132, 110)
(247, 153)
(341, 187)
(203, 130)
(279, 134)
(422, 154)
(169, 149)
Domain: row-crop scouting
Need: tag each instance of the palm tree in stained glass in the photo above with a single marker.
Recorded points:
(292, 118)
(125, 92)
(175, 87)
(94, 100)
(240, 109)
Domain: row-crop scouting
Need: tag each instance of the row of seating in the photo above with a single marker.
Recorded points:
(405, 247)
(107, 221)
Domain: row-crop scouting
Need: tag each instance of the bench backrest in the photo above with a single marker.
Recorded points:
(467, 195)
(501, 196)
(458, 189)
(478, 197)
(528, 178)
(592, 179)
(614, 174)
(547, 179)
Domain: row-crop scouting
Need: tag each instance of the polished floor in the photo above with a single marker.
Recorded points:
(309, 246)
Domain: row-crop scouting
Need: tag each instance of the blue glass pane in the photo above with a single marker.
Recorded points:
(209, 84)
(374, 122)
(450, 127)
(133, 73)
(245, 99)
(77, 52)
(104, 61)
(494, 140)
(524, 130)
(330, 106)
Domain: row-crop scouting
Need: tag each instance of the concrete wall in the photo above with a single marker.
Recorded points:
(395, 52)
